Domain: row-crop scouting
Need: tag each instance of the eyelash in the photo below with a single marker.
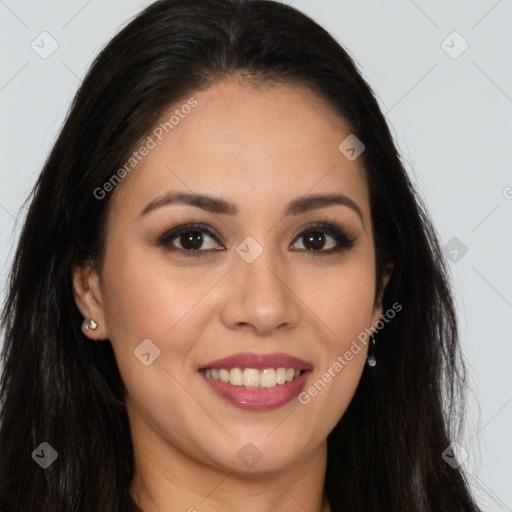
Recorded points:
(344, 241)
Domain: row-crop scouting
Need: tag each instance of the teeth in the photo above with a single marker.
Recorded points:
(281, 375)
(252, 378)
(236, 377)
(268, 378)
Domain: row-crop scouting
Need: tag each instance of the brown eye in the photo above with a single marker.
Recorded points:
(314, 240)
(190, 239)
(316, 237)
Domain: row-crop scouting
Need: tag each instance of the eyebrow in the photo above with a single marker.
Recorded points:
(220, 206)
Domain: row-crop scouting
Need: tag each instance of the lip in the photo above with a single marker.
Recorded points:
(258, 399)
(258, 362)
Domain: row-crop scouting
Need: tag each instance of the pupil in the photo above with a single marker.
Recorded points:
(313, 238)
(191, 240)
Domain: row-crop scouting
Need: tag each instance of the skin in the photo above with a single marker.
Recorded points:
(258, 148)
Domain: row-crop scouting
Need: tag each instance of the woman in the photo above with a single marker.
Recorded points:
(226, 294)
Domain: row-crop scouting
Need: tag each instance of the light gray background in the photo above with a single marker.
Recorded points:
(451, 118)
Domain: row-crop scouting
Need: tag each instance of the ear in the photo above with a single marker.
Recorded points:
(378, 309)
(87, 293)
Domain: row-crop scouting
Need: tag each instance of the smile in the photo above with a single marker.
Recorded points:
(257, 382)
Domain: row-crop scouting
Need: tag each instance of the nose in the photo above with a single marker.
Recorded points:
(260, 295)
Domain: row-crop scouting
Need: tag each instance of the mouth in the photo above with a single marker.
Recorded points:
(256, 381)
(252, 377)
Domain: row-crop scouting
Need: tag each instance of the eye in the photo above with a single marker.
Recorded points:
(191, 238)
(314, 239)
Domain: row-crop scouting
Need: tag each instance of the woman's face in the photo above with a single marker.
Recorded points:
(258, 277)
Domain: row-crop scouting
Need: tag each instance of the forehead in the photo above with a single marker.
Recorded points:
(252, 145)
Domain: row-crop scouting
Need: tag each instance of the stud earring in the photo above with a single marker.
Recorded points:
(90, 325)
(370, 360)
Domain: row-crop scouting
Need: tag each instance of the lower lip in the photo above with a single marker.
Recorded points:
(258, 399)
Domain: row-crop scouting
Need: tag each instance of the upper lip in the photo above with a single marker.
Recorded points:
(258, 362)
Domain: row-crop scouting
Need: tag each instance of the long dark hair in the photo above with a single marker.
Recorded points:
(385, 454)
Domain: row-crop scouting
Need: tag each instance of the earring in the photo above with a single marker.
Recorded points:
(370, 360)
(90, 325)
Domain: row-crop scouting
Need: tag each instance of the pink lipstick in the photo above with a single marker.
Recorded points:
(257, 381)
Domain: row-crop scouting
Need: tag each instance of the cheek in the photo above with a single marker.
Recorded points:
(345, 309)
(158, 302)
(148, 297)
(344, 299)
